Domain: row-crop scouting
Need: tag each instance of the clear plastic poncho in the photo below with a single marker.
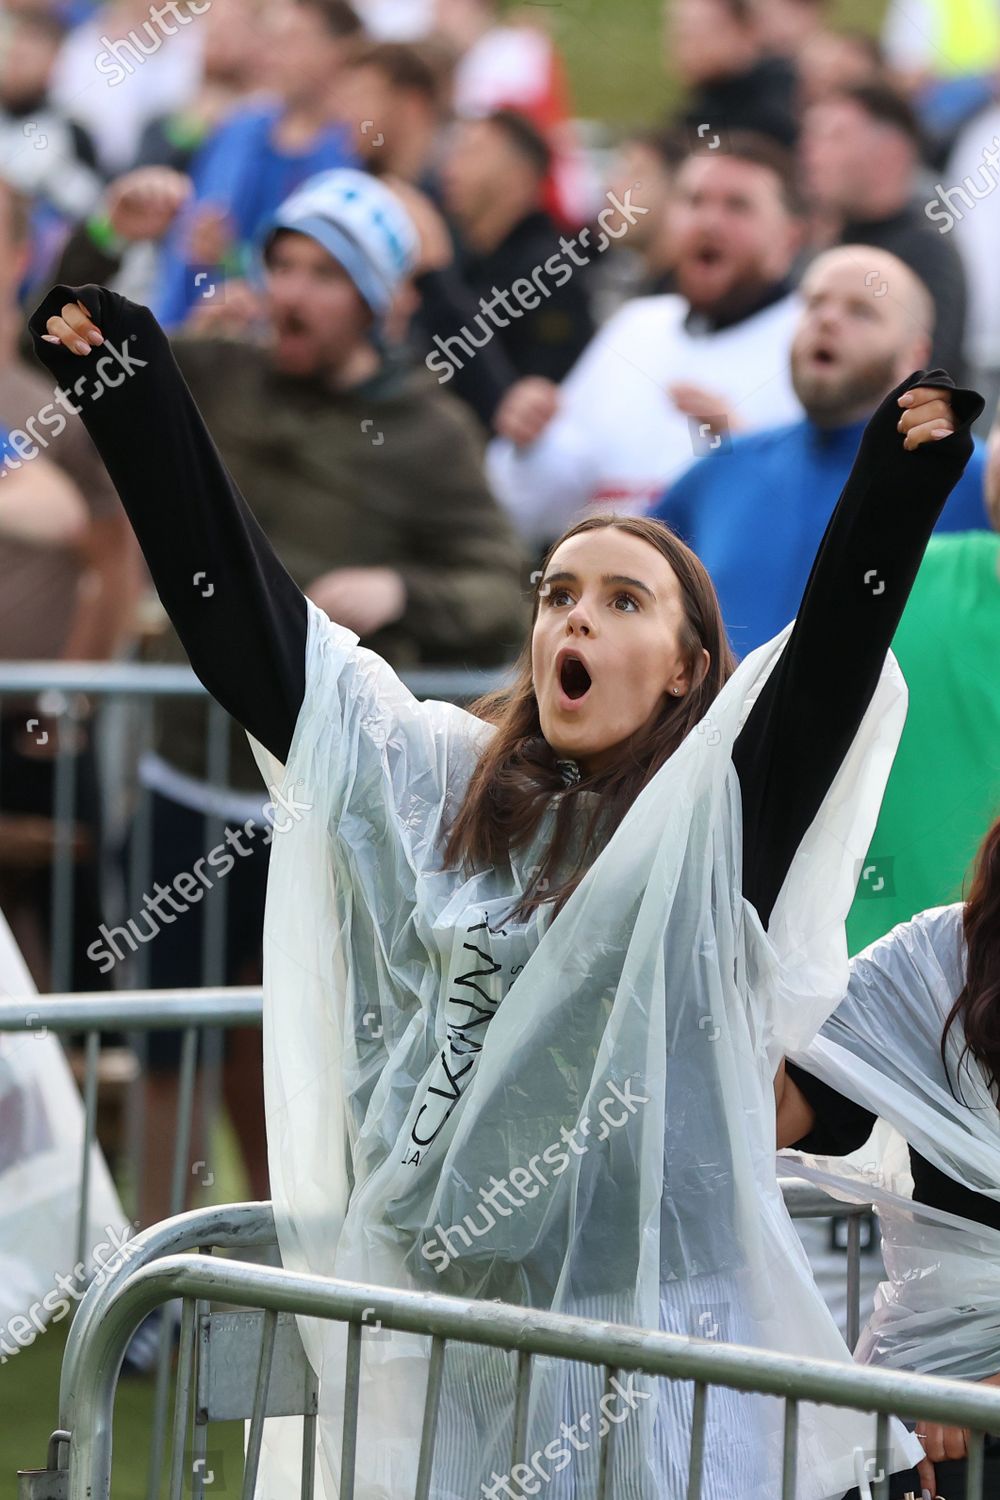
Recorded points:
(938, 1312)
(41, 1158)
(574, 1114)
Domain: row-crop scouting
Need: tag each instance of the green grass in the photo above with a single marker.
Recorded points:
(614, 49)
(29, 1389)
(29, 1386)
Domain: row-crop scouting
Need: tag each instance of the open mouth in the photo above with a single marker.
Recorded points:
(574, 678)
(823, 356)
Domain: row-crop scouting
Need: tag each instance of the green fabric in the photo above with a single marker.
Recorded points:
(944, 791)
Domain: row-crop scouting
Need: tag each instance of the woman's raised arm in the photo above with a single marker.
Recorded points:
(809, 710)
(240, 617)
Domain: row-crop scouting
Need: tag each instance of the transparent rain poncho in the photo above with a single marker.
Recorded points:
(574, 1114)
(938, 1312)
(41, 1155)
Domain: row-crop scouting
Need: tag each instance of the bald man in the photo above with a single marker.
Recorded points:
(755, 509)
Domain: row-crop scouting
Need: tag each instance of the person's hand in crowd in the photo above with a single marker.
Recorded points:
(436, 250)
(232, 317)
(708, 406)
(211, 235)
(142, 205)
(362, 599)
(526, 410)
(927, 416)
(943, 1443)
(40, 504)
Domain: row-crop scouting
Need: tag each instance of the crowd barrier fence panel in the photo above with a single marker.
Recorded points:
(80, 1454)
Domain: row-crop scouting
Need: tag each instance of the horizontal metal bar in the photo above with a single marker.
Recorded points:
(500, 1325)
(804, 1200)
(137, 679)
(134, 1010)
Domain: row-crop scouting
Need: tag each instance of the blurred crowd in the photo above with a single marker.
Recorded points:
(693, 316)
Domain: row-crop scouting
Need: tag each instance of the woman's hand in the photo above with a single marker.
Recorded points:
(927, 415)
(74, 329)
(942, 1443)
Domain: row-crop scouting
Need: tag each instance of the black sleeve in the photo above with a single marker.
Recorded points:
(241, 618)
(841, 1126)
(809, 710)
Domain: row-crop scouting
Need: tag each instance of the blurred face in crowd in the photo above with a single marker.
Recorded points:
(302, 57)
(232, 37)
(27, 55)
(849, 158)
(625, 635)
(832, 61)
(366, 96)
(865, 326)
(483, 168)
(706, 39)
(785, 26)
(318, 317)
(641, 169)
(732, 231)
(462, 22)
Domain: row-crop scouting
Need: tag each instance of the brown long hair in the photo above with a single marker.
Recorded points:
(978, 1005)
(517, 775)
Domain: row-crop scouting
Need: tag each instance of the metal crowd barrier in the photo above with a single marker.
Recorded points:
(138, 1011)
(140, 685)
(80, 1452)
(229, 1227)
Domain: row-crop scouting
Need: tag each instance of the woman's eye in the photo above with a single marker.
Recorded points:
(554, 595)
(629, 599)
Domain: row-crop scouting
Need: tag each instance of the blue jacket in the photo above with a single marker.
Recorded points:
(244, 172)
(756, 510)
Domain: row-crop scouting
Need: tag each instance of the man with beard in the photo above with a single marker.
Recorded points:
(756, 510)
(633, 410)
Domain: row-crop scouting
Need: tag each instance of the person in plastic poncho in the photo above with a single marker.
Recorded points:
(530, 971)
(914, 1042)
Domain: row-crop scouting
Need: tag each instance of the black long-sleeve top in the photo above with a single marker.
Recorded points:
(841, 1126)
(247, 640)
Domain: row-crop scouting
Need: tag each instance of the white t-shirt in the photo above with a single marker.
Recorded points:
(618, 440)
